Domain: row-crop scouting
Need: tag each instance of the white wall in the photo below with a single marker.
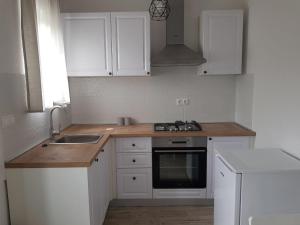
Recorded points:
(102, 100)
(273, 59)
(28, 129)
(244, 100)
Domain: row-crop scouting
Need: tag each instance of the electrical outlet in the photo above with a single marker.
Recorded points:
(179, 101)
(186, 101)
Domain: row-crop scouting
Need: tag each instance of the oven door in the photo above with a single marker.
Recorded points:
(179, 168)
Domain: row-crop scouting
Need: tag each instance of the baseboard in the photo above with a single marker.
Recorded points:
(160, 202)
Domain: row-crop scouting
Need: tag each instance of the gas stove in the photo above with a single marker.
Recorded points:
(178, 126)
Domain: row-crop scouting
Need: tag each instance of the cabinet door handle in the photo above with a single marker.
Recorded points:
(134, 178)
(205, 72)
(96, 160)
(102, 150)
(133, 160)
(222, 174)
(133, 145)
(110, 73)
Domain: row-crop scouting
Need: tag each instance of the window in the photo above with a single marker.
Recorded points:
(47, 82)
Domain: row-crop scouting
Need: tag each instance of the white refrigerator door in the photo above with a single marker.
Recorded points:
(227, 194)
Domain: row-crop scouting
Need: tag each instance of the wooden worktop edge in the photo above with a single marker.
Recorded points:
(114, 134)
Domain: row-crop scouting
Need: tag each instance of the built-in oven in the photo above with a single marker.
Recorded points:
(179, 162)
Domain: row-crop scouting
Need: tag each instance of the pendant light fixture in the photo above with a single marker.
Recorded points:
(159, 10)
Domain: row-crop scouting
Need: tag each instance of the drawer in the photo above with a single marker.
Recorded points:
(134, 160)
(134, 144)
(134, 183)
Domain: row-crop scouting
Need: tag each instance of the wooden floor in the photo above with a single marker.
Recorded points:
(183, 215)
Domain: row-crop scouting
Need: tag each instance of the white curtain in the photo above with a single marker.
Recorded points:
(53, 87)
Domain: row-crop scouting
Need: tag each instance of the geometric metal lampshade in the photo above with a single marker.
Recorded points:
(159, 10)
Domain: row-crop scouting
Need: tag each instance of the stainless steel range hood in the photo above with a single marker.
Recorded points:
(176, 53)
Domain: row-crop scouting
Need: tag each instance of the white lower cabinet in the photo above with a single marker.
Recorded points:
(60, 196)
(218, 143)
(134, 168)
(99, 181)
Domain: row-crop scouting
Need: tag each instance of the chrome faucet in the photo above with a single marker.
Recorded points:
(53, 133)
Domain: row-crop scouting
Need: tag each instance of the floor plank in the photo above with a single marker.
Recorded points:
(183, 215)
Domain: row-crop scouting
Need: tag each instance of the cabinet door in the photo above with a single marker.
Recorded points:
(134, 183)
(107, 174)
(131, 43)
(87, 38)
(222, 42)
(96, 192)
(102, 190)
(218, 143)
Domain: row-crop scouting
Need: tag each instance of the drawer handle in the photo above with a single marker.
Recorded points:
(133, 145)
(134, 178)
(102, 150)
(133, 160)
(96, 160)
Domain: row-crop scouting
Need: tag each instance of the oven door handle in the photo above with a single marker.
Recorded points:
(180, 151)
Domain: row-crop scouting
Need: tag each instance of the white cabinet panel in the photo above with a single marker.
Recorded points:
(134, 160)
(134, 183)
(217, 143)
(87, 38)
(131, 43)
(222, 42)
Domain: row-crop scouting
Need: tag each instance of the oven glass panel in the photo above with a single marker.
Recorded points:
(179, 170)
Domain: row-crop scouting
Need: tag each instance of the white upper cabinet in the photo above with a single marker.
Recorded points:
(87, 38)
(131, 43)
(107, 44)
(222, 42)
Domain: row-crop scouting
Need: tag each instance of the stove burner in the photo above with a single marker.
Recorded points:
(178, 126)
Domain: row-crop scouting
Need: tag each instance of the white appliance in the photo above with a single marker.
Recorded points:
(254, 183)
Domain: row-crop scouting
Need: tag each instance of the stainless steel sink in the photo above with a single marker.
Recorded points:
(78, 139)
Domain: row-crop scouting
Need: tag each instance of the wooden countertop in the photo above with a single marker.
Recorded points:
(83, 155)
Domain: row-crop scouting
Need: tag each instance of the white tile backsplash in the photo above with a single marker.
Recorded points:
(152, 99)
